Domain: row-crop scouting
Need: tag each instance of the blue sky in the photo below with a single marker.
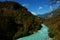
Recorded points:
(37, 6)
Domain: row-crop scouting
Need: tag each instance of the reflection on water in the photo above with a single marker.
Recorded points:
(40, 35)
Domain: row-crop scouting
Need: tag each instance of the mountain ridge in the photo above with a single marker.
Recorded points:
(53, 24)
(50, 14)
(16, 21)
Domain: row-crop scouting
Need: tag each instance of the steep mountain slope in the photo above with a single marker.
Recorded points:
(53, 24)
(50, 14)
(16, 21)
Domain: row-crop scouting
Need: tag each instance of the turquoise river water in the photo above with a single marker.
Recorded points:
(42, 34)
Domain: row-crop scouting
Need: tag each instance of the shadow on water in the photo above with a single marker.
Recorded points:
(40, 35)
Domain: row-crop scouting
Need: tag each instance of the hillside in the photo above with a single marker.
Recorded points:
(53, 24)
(16, 21)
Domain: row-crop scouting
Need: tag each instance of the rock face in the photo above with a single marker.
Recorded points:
(54, 26)
(16, 21)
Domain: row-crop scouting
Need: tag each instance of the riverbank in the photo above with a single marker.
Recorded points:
(40, 35)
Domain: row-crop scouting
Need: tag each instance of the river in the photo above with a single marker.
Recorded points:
(40, 35)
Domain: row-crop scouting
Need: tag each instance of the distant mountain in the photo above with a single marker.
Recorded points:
(16, 21)
(50, 14)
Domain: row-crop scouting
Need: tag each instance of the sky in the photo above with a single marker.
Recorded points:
(36, 7)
